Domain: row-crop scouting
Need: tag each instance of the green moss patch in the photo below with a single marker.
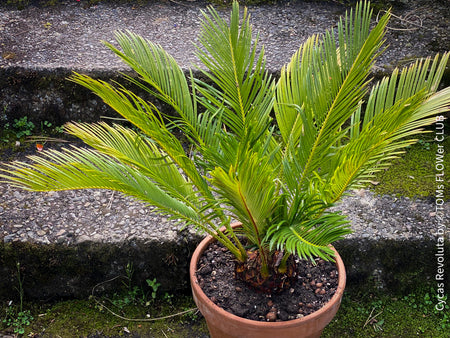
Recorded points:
(414, 174)
(373, 314)
(82, 318)
(369, 315)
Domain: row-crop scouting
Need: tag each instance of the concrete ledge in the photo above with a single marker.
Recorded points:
(58, 271)
(68, 242)
(40, 47)
(55, 271)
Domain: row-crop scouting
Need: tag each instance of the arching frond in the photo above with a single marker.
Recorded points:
(80, 168)
(159, 72)
(310, 238)
(397, 109)
(321, 87)
(147, 118)
(136, 151)
(251, 190)
(242, 88)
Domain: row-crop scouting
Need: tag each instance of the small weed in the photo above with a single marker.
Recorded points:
(191, 315)
(424, 144)
(135, 295)
(48, 128)
(23, 127)
(58, 129)
(17, 320)
(45, 125)
(168, 298)
(132, 297)
(129, 272)
(154, 285)
(16, 317)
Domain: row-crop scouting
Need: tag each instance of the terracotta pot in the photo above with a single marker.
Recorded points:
(222, 324)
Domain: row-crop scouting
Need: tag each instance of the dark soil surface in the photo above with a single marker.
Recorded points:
(313, 288)
(23, 149)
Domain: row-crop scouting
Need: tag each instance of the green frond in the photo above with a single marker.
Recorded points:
(322, 86)
(397, 109)
(136, 151)
(79, 168)
(242, 88)
(417, 78)
(310, 238)
(159, 72)
(251, 191)
(146, 117)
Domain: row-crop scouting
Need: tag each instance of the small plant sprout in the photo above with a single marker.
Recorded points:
(154, 285)
(16, 317)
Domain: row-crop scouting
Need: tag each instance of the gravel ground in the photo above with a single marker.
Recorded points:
(68, 35)
(76, 216)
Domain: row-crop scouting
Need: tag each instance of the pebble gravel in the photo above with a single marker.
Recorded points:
(68, 35)
(71, 217)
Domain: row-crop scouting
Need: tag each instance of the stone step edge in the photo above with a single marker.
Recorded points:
(59, 271)
(46, 94)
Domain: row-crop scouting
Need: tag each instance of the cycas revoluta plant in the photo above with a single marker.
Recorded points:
(277, 176)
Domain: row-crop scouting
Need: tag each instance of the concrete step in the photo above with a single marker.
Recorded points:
(41, 46)
(66, 243)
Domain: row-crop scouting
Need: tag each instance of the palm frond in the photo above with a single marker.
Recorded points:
(136, 151)
(158, 69)
(147, 118)
(316, 95)
(317, 71)
(250, 189)
(397, 109)
(310, 238)
(79, 168)
(243, 86)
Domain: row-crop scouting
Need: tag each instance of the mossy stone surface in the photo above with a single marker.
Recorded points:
(391, 266)
(58, 271)
(413, 174)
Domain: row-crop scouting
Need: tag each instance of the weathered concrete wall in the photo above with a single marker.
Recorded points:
(57, 271)
(60, 271)
(48, 95)
(396, 266)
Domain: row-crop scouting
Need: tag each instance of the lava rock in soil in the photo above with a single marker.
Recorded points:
(312, 289)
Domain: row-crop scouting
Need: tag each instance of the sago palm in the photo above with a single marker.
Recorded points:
(272, 154)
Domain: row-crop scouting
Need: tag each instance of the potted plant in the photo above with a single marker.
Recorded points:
(273, 155)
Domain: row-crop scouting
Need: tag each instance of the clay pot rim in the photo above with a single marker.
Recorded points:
(248, 322)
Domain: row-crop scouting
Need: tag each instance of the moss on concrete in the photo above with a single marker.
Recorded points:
(413, 174)
(82, 318)
(370, 315)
